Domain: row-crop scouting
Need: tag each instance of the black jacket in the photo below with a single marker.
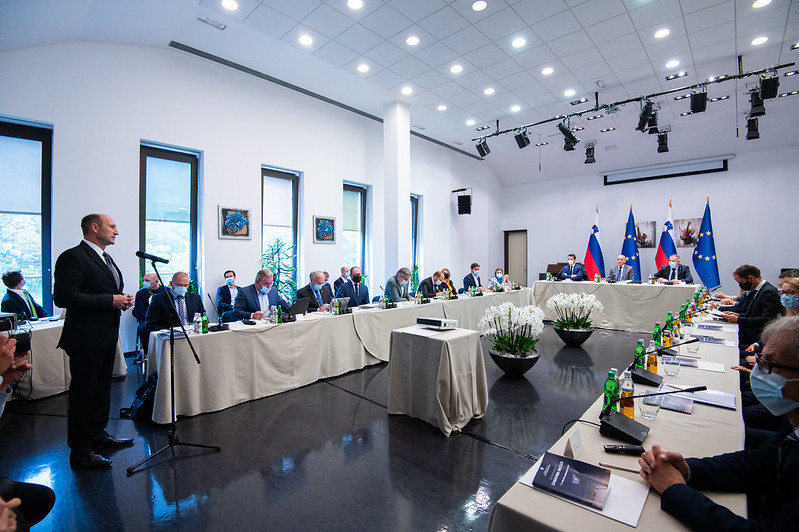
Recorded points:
(763, 307)
(12, 302)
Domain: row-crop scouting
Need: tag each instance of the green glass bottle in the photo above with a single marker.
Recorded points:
(682, 313)
(205, 323)
(611, 391)
(669, 321)
(280, 313)
(656, 333)
(640, 359)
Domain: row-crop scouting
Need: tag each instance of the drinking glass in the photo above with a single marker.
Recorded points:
(650, 411)
(671, 365)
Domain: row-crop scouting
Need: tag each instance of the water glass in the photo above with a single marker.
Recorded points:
(650, 411)
(693, 348)
(671, 365)
(198, 323)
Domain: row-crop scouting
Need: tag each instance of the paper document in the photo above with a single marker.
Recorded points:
(708, 397)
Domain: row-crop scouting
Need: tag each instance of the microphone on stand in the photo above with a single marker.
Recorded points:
(220, 326)
(616, 425)
(147, 256)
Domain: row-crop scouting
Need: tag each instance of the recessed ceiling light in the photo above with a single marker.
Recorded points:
(363, 68)
(579, 128)
(456, 69)
(794, 46)
(578, 102)
(757, 41)
(672, 64)
(483, 128)
(355, 4)
(306, 40)
(470, 122)
(594, 117)
(212, 23)
(489, 91)
(680, 74)
(442, 107)
(569, 93)
(661, 33)
(406, 90)
(480, 5)
(791, 73)
(607, 129)
(760, 3)
(547, 71)
(230, 5)
(515, 109)
(792, 93)
(541, 143)
(518, 42)
(686, 113)
(413, 40)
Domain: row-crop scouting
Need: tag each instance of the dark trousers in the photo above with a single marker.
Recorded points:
(89, 396)
(37, 501)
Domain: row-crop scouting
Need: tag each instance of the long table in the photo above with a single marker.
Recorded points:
(707, 431)
(250, 362)
(628, 307)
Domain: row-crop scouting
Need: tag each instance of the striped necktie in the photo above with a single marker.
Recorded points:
(110, 263)
(181, 310)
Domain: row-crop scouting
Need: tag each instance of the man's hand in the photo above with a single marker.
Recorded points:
(742, 369)
(123, 301)
(661, 280)
(731, 317)
(7, 348)
(8, 518)
(727, 301)
(257, 315)
(663, 469)
(19, 367)
(751, 349)
(324, 307)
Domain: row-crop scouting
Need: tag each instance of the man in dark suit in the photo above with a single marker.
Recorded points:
(472, 280)
(254, 301)
(150, 287)
(620, 272)
(345, 277)
(431, 287)
(89, 285)
(19, 301)
(762, 305)
(674, 271)
(573, 270)
(353, 289)
(160, 315)
(317, 291)
(227, 293)
(769, 474)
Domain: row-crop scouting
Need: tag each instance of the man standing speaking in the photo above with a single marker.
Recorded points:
(89, 285)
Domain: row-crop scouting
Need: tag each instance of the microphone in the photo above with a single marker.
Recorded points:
(643, 376)
(147, 256)
(220, 326)
(616, 425)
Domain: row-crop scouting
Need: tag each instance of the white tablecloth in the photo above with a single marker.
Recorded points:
(437, 376)
(628, 307)
(707, 431)
(50, 374)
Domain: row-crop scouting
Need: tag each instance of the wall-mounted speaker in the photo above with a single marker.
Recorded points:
(465, 204)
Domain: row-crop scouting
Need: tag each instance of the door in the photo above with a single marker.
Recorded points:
(516, 256)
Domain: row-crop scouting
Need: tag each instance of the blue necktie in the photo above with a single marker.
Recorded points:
(318, 297)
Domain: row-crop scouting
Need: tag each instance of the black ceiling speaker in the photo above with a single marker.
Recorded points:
(465, 204)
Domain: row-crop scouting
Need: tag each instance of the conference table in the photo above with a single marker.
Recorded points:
(707, 431)
(249, 362)
(628, 307)
(50, 374)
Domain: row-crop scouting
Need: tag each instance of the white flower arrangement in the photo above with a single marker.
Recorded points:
(512, 329)
(574, 310)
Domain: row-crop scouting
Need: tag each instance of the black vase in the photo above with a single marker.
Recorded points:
(573, 337)
(513, 365)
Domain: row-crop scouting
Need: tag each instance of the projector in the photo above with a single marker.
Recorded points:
(436, 323)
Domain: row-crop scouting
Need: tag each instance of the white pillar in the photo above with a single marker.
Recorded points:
(397, 186)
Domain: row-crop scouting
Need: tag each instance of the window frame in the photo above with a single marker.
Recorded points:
(362, 190)
(415, 231)
(294, 178)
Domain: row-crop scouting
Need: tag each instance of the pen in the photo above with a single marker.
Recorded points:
(611, 466)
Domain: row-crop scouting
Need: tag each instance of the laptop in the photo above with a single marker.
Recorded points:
(299, 307)
(345, 302)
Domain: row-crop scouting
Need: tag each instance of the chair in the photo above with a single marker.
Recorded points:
(228, 316)
(460, 290)
(376, 299)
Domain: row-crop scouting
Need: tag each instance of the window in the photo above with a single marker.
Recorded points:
(414, 230)
(25, 176)
(279, 215)
(168, 210)
(354, 226)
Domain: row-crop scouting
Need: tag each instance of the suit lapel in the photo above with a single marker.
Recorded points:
(101, 263)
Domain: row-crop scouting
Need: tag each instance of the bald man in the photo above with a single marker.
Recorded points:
(620, 272)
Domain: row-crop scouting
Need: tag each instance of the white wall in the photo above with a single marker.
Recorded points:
(753, 208)
(103, 100)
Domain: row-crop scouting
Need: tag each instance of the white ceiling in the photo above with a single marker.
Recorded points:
(584, 41)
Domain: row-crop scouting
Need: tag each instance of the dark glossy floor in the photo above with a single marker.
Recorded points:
(323, 457)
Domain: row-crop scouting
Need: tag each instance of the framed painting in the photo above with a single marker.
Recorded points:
(234, 223)
(324, 230)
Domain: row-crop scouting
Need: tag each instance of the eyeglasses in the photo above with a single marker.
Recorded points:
(788, 292)
(768, 366)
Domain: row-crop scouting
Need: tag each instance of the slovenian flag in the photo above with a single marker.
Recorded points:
(594, 263)
(704, 258)
(666, 248)
(630, 247)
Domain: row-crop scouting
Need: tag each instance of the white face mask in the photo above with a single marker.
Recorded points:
(571, 262)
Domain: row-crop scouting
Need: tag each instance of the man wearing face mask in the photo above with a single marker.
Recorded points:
(673, 272)
(253, 301)
(345, 277)
(431, 287)
(763, 305)
(317, 291)
(397, 286)
(573, 271)
(472, 280)
(769, 474)
(353, 289)
(227, 293)
(159, 315)
(149, 288)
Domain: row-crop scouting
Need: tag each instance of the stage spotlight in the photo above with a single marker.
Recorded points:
(482, 148)
(751, 129)
(521, 139)
(589, 154)
(757, 109)
(769, 86)
(568, 136)
(643, 118)
(653, 123)
(663, 142)
(568, 146)
(698, 101)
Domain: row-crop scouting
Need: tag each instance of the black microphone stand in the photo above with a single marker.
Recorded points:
(172, 434)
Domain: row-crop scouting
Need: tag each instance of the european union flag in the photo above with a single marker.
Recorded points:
(704, 258)
(630, 247)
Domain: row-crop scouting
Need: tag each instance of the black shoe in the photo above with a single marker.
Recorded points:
(109, 442)
(88, 461)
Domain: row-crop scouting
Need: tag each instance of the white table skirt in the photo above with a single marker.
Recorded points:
(440, 378)
(628, 307)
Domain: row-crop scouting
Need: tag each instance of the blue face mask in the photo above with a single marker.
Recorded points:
(347, 275)
(437, 283)
(789, 302)
(768, 390)
(264, 290)
(404, 282)
(147, 285)
(475, 272)
(672, 264)
(180, 291)
(317, 287)
(230, 280)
